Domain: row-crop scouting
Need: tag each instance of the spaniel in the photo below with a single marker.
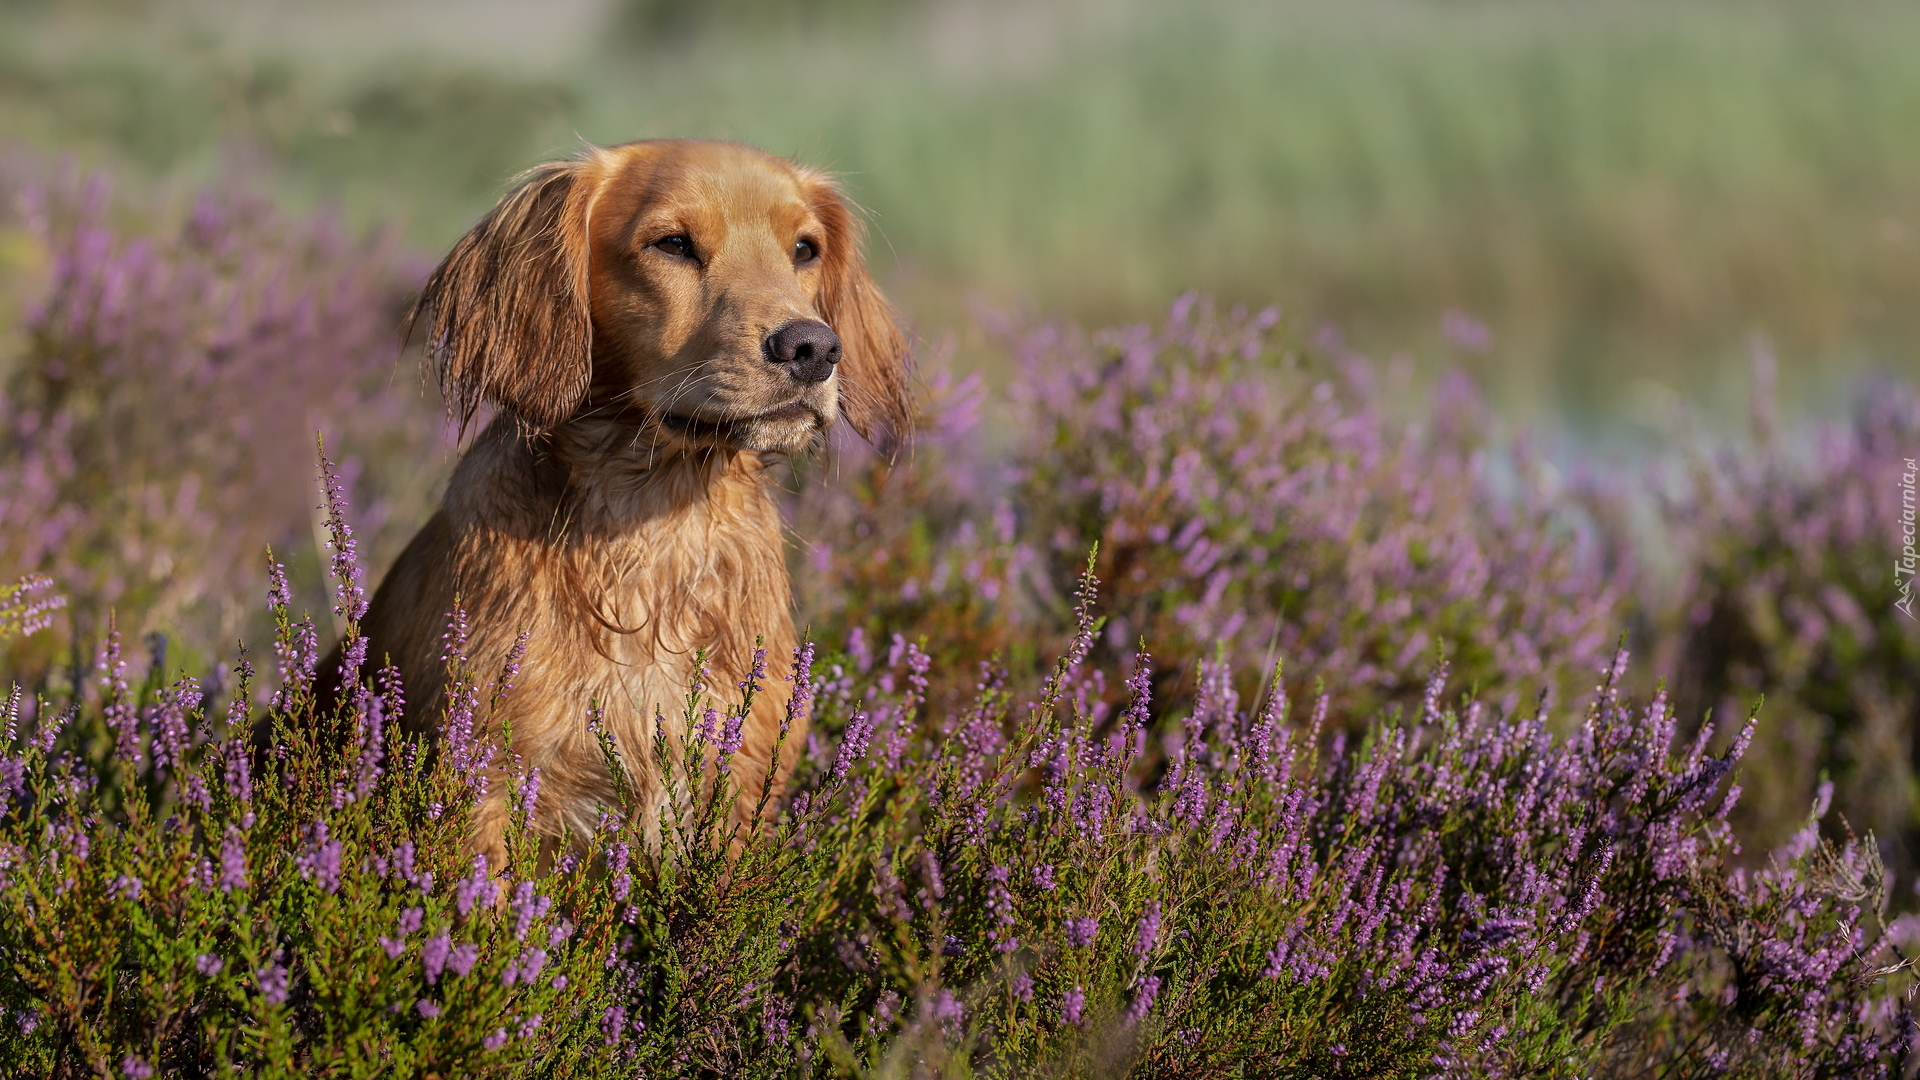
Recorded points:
(653, 325)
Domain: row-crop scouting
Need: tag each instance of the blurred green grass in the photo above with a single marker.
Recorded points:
(1625, 192)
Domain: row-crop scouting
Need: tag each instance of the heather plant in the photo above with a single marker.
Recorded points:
(1285, 500)
(1032, 881)
(1771, 565)
(1347, 818)
(1245, 493)
(927, 545)
(144, 422)
(27, 606)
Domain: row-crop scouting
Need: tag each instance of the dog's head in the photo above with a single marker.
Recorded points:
(710, 291)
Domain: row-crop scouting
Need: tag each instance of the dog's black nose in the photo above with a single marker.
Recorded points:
(809, 349)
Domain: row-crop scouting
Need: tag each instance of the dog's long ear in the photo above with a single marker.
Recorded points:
(510, 323)
(876, 391)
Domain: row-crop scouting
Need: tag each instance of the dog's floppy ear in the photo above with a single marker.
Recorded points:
(510, 323)
(876, 392)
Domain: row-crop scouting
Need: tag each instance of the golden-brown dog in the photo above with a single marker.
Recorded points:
(654, 322)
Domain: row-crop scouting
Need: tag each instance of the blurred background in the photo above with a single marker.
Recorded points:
(1596, 206)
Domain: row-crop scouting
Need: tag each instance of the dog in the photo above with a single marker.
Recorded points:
(654, 325)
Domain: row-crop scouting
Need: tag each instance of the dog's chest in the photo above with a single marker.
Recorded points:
(690, 579)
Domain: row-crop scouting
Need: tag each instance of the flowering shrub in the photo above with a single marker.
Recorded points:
(1007, 886)
(1265, 499)
(1391, 856)
(1244, 495)
(1782, 581)
(27, 606)
(144, 432)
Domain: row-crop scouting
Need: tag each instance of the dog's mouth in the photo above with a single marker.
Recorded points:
(740, 430)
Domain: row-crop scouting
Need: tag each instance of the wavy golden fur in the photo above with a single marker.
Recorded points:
(653, 323)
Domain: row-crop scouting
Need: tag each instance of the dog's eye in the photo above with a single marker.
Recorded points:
(805, 252)
(675, 245)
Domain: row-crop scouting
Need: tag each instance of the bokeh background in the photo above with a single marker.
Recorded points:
(1622, 193)
(1673, 247)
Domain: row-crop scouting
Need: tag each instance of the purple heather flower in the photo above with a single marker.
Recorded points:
(350, 594)
(1072, 1004)
(27, 607)
(50, 732)
(525, 968)
(1000, 903)
(509, 668)
(13, 781)
(948, 1011)
(208, 965)
(371, 710)
(279, 593)
(273, 981)
(731, 737)
(466, 748)
(853, 743)
(1143, 999)
(462, 958)
(1051, 757)
(621, 882)
(526, 908)
(799, 702)
(121, 714)
(193, 793)
(134, 1068)
(427, 1009)
(409, 921)
(320, 863)
(433, 956)
(172, 724)
(918, 664)
(1278, 956)
(1149, 931)
(11, 710)
(611, 1023)
(124, 887)
(233, 861)
(239, 780)
(1043, 877)
(776, 1019)
(1081, 932)
(756, 674)
(496, 1040)
(475, 887)
(933, 889)
(859, 651)
(1134, 721)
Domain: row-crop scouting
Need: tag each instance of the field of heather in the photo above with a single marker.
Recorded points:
(1403, 567)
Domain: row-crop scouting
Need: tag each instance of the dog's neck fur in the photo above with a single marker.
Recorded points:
(662, 548)
(621, 478)
(610, 476)
(623, 560)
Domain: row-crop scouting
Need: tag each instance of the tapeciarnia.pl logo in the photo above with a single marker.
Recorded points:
(1903, 570)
